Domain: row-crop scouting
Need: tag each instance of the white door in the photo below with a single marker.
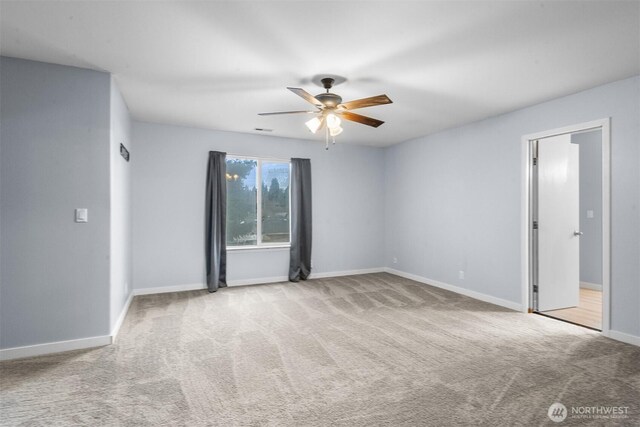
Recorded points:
(558, 223)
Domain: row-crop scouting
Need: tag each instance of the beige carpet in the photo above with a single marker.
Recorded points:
(362, 350)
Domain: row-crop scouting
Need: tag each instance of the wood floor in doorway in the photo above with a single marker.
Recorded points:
(587, 313)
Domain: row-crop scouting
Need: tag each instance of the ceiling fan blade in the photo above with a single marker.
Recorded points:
(306, 95)
(288, 112)
(367, 102)
(361, 119)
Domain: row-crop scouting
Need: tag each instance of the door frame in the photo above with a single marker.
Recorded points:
(526, 225)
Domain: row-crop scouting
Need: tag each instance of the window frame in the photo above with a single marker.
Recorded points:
(259, 244)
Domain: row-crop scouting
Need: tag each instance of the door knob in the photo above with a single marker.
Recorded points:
(578, 233)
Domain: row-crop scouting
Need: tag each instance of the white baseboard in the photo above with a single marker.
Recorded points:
(54, 347)
(594, 286)
(259, 281)
(123, 314)
(256, 281)
(473, 294)
(203, 286)
(624, 337)
(165, 289)
(345, 273)
(313, 275)
(62, 346)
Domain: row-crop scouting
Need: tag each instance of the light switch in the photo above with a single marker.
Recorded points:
(82, 215)
(589, 214)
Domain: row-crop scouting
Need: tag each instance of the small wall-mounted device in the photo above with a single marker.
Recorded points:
(82, 215)
(124, 152)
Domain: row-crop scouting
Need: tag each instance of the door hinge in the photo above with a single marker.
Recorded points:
(535, 225)
(535, 288)
(535, 161)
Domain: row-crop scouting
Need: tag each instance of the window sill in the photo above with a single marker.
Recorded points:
(258, 248)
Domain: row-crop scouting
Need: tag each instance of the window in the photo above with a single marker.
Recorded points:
(257, 202)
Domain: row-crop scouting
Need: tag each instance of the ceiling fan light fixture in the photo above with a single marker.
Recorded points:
(335, 131)
(333, 121)
(314, 124)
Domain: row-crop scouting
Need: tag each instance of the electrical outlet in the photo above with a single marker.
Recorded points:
(461, 274)
(395, 260)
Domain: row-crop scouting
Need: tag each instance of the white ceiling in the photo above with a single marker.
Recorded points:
(444, 63)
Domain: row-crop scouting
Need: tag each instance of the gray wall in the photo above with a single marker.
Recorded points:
(454, 198)
(439, 204)
(168, 205)
(54, 146)
(121, 270)
(590, 199)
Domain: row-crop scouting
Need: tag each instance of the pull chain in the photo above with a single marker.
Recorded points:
(326, 139)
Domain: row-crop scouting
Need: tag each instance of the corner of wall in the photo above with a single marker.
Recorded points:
(120, 269)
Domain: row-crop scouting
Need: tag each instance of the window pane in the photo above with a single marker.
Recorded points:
(275, 202)
(242, 212)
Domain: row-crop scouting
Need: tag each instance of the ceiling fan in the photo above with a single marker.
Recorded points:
(330, 109)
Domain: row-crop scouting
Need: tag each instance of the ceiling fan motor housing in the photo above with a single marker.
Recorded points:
(330, 100)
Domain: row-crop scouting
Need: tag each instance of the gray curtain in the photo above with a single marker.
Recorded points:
(300, 258)
(216, 216)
